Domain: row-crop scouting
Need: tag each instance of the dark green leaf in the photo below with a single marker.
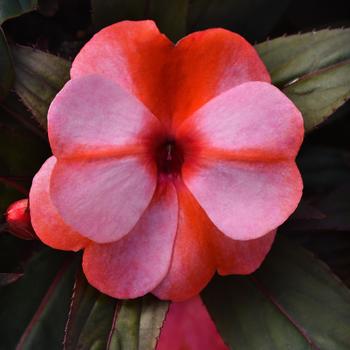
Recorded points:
(291, 57)
(6, 67)
(48, 7)
(292, 302)
(21, 155)
(14, 8)
(105, 13)
(251, 18)
(313, 69)
(170, 16)
(138, 323)
(319, 94)
(45, 330)
(21, 300)
(39, 77)
(9, 277)
(90, 317)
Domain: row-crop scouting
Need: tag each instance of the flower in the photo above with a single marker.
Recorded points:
(18, 220)
(170, 162)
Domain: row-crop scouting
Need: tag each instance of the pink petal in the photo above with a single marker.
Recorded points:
(240, 257)
(253, 121)
(46, 221)
(133, 54)
(188, 326)
(207, 63)
(134, 265)
(172, 81)
(94, 117)
(103, 199)
(245, 199)
(193, 264)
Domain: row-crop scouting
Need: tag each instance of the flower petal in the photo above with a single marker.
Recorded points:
(208, 63)
(103, 199)
(192, 264)
(253, 121)
(188, 326)
(133, 54)
(93, 116)
(134, 265)
(172, 81)
(245, 199)
(240, 257)
(46, 221)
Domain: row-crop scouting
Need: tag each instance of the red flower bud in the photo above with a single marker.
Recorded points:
(18, 220)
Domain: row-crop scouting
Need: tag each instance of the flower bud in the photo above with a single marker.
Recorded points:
(18, 220)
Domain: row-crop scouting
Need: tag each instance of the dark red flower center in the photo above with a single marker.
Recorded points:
(169, 157)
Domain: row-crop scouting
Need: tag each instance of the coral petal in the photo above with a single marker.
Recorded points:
(172, 81)
(245, 199)
(208, 63)
(103, 199)
(46, 221)
(253, 121)
(189, 326)
(93, 116)
(192, 265)
(133, 54)
(134, 265)
(240, 257)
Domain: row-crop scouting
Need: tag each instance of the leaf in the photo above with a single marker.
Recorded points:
(109, 12)
(138, 323)
(9, 277)
(48, 7)
(253, 19)
(90, 317)
(6, 67)
(313, 69)
(23, 300)
(13, 8)
(170, 16)
(97, 321)
(319, 94)
(292, 302)
(45, 330)
(39, 77)
(21, 155)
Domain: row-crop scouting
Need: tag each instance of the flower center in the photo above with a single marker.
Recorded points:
(169, 157)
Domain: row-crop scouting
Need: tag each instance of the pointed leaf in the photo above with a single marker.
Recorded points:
(108, 12)
(138, 323)
(253, 19)
(319, 94)
(6, 67)
(292, 302)
(291, 57)
(170, 16)
(45, 330)
(14, 8)
(39, 77)
(9, 277)
(21, 300)
(90, 317)
(312, 69)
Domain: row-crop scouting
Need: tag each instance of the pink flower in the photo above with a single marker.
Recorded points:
(170, 162)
